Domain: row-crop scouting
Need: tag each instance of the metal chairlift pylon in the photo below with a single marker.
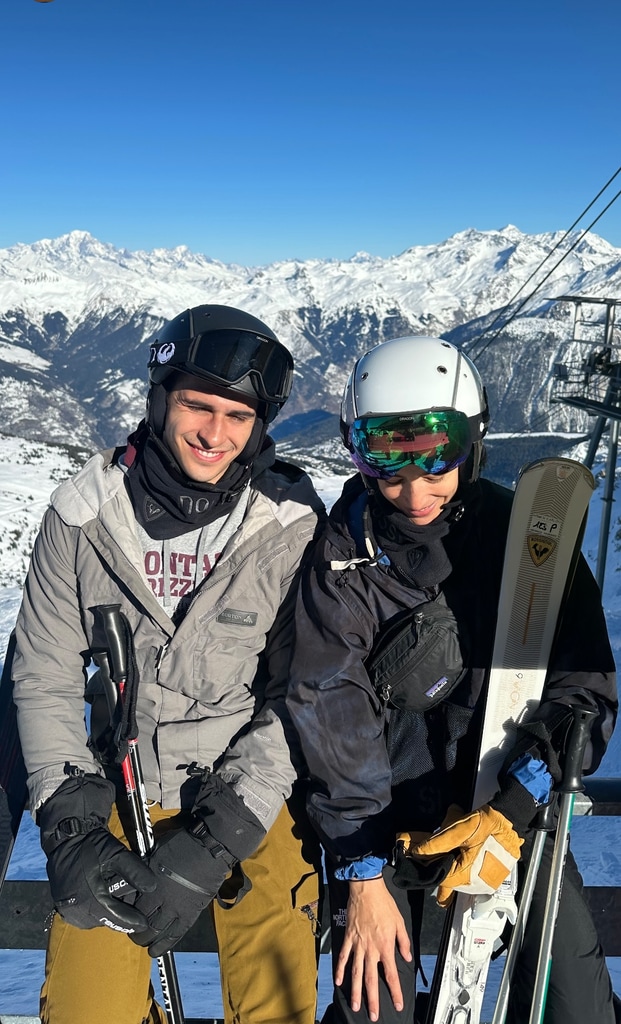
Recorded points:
(589, 379)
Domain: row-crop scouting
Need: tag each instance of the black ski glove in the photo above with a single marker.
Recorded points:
(525, 788)
(191, 864)
(87, 867)
(545, 736)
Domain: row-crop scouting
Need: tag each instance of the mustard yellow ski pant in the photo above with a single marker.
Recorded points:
(267, 944)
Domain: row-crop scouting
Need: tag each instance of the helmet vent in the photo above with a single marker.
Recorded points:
(442, 369)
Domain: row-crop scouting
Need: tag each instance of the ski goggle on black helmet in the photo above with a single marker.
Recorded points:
(227, 347)
(413, 401)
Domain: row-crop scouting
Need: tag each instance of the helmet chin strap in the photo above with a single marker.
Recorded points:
(255, 442)
(470, 470)
(157, 401)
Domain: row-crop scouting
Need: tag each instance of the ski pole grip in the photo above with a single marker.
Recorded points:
(113, 629)
(546, 816)
(578, 738)
(108, 685)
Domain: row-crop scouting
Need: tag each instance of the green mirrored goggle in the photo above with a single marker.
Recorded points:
(435, 441)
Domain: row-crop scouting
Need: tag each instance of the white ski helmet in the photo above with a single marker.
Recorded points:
(414, 400)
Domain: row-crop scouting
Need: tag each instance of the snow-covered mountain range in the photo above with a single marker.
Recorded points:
(75, 315)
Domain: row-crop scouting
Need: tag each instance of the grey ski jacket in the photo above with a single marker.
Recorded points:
(211, 690)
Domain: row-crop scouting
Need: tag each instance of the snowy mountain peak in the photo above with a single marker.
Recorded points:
(472, 271)
(73, 245)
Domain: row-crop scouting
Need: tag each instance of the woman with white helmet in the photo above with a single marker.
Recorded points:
(404, 587)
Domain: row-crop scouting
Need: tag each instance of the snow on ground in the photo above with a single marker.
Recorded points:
(28, 473)
(596, 842)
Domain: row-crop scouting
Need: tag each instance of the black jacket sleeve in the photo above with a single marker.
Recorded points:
(337, 715)
(582, 666)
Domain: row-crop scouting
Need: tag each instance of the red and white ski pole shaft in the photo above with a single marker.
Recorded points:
(570, 784)
(117, 640)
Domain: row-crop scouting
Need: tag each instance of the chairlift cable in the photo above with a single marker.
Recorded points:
(551, 253)
(543, 280)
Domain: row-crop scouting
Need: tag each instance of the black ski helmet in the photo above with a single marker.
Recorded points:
(225, 346)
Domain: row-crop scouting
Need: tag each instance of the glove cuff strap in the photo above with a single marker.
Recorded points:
(200, 831)
(69, 828)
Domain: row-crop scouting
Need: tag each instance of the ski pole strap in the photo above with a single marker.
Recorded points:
(124, 673)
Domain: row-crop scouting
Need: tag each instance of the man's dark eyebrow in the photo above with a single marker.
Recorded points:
(205, 404)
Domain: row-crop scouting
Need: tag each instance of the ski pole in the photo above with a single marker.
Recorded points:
(570, 784)
(544, 824)
(114, 675)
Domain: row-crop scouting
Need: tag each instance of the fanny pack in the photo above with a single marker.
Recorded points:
(420, 659)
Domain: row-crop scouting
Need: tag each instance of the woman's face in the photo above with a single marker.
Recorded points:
(420, 496)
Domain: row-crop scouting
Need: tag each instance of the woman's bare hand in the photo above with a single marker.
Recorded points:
(375, 930)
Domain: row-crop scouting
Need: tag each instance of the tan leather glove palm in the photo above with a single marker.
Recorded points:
(485, 844)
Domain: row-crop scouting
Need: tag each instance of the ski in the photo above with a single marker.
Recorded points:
(543, 543)
(13, 792)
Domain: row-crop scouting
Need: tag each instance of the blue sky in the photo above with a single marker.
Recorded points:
(257, 130)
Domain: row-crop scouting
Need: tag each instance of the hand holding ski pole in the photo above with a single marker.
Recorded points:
(191, 863)
(88, 868)
(115, 665)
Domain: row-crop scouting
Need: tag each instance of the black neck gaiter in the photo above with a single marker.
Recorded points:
(417, 553)
(166, 502)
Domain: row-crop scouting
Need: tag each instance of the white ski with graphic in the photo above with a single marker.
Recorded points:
(545, 533)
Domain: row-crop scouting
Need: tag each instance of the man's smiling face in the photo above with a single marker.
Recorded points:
(206, 429)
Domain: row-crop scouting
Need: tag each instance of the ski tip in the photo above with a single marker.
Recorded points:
(563, 467)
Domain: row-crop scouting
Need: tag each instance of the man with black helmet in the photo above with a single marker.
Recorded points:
(198, 534)
(394, 636)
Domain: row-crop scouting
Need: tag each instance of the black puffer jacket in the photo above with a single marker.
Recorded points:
(375, 770)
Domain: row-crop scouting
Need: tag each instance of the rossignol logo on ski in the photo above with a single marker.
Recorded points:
(540, 548)
(541, 538)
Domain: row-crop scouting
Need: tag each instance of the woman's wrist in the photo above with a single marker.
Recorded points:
(365, 869)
